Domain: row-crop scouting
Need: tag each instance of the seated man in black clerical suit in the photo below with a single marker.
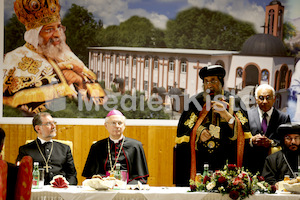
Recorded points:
(106, 153)
(286, 161)
(56, 158)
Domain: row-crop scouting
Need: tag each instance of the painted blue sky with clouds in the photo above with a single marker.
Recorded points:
(113, 12)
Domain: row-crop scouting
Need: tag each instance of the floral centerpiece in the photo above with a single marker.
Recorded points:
(232, 180)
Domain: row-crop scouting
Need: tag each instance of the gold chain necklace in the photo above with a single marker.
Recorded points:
(47, 166)
(112, 168)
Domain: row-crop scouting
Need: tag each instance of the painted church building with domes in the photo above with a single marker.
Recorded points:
(263, 59)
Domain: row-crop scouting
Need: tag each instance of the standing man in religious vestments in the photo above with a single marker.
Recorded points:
(56, 158)
(213, 130)
(286, 161)
(106, 153)
(40, 74)
(263, 121)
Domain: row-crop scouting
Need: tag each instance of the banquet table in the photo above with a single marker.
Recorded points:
(155, 193)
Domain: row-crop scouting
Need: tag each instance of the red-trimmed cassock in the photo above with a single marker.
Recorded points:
(132, 158)
(226, 144)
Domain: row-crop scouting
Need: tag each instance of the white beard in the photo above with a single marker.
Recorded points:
(59, 53)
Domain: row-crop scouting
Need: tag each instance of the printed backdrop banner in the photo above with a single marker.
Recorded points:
(80, 68)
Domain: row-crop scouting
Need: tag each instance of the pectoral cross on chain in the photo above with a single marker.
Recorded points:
(47, 167)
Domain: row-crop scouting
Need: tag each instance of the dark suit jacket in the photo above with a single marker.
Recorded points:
(255, 156)
(12, 172)
(61, 160)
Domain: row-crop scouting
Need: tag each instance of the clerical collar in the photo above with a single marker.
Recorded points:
(118, 140)
(43, 141)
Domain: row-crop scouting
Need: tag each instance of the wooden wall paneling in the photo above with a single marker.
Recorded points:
(30, 133)
(161, 142)
(16, 137)
(87, 136)
(11, 142)
(77, 155)
(8, 147)
(153, 163)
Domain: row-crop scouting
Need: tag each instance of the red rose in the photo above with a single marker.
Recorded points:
(206, 178)
(273, 188)
(234, 194)
(193, 188)
(231, 166)
(222, 179)
(260, 178)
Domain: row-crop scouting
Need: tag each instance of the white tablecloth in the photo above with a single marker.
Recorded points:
(155, 193)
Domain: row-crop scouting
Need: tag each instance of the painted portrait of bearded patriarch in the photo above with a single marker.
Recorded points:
(45, 69)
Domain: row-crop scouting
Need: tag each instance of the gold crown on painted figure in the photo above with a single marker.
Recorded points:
(35, 13)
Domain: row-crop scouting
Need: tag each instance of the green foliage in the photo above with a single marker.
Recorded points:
(81, 31)
(136, 107)
(13, 34)
(102, 83)
(289, 30)
(133, 108)
(134, 32)
(293, 49)
(114, 88)
(11, 112)
(232, 180)
(109, 36)
(72, 111)
(158, 39)
(204, 29)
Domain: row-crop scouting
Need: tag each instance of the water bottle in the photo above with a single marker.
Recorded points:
(118, 171)
(205, 169)
(35, 175)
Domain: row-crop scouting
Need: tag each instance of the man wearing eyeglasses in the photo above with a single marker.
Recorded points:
(264, 121)
(286, 161)
(211, 130)
(56, 158)
(45, 70)
(106, 153)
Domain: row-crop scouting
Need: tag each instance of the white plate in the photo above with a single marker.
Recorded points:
(98, 184)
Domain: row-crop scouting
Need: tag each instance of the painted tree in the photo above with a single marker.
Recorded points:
(82, 30)
(13, 34)
(205, 29)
